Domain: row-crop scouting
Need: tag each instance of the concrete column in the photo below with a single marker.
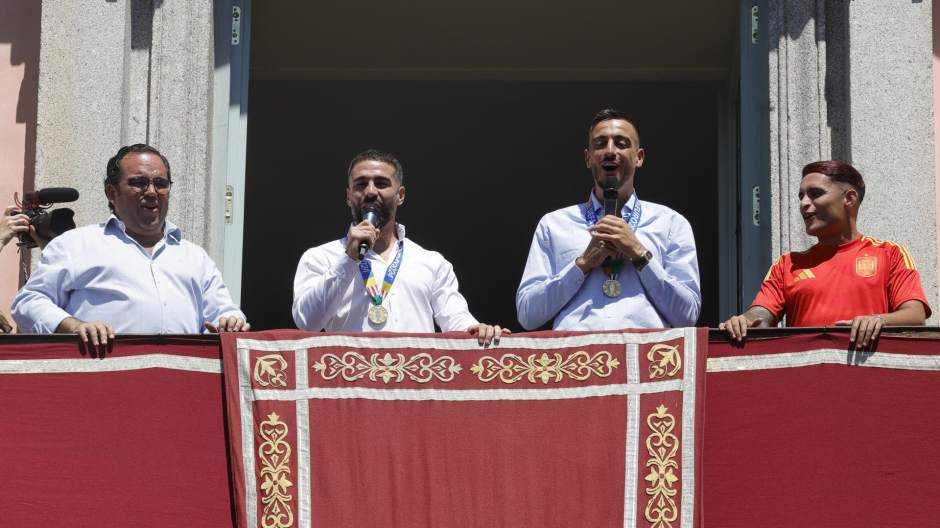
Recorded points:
(83, 87)
(892, 133)
(127, 71)
(181, 82)
(806, 105)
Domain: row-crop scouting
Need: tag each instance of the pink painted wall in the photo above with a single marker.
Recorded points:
(936, 122)
(19, 75)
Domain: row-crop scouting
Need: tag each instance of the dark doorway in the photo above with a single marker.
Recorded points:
(483, 161)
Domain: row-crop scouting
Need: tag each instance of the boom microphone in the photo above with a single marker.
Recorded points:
(371, 215)
(611, 185)
(51, 195)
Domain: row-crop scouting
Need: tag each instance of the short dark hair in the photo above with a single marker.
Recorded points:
(609, 114)
(377, 155)
(839, 172)
(114, 164)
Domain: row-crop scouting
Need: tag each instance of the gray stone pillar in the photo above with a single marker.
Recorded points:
(892, 134)
(806, 105)
(82, 110)
(181, 81)
(128, 71)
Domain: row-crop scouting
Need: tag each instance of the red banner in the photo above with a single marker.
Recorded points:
(550, 429)
(133, 437)
(544, 430)
(802, 431)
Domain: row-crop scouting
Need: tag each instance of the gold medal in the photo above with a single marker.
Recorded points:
(378, 315)
(611, 288)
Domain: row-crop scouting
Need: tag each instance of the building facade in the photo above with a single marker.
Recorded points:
(805, 80)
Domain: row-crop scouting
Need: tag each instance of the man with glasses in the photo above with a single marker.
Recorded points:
(132, 274)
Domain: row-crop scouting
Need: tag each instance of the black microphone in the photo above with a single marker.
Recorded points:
(51, 195)
(369, 214)
(611, 185)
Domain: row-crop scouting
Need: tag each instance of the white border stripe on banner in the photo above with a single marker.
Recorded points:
(366, 393)
(381, 343)
(631, 476)
(688, 429)
(824, 356)
(248, 438)
(633, 363)
(304, 519)
(112, 364)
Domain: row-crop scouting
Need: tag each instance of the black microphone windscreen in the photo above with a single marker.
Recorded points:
(611, 184)
(53, 195)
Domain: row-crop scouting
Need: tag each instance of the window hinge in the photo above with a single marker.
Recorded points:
(236, 25)
(754, 25)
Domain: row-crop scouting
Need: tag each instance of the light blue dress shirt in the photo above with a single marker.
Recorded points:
(665, 293)
(99, 273)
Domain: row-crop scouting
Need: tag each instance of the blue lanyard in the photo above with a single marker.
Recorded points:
(633, 221)
(365, 269)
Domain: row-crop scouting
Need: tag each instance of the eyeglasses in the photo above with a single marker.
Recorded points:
(141, 184)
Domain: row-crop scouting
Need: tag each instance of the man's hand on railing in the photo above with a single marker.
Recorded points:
(737, 326)
(229, 324)
(95, 331)
(487, 334)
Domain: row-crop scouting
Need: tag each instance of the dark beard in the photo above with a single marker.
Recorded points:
(382, 216)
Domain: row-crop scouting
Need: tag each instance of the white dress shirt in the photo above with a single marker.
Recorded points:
(665, 293)
(99, 273)
(329, 292)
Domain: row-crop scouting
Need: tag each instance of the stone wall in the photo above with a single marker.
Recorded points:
(128, 71)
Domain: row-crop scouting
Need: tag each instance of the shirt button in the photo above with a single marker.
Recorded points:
(644, 280)
(164, 303)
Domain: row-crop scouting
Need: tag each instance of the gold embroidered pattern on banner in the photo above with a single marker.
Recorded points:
(662, 445)
(269, 370)
(274, 455)
(669, 356)
(421, 368)
(578, 366)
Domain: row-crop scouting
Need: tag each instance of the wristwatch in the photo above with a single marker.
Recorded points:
(640, 262)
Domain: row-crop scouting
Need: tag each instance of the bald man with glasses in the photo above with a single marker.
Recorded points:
(132, 274)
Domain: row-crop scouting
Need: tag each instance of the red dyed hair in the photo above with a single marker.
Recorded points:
(839, 172)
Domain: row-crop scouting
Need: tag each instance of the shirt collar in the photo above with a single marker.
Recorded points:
(170, 230)
(624, 213)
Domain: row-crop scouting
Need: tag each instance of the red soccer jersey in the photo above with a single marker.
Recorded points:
(825, 284)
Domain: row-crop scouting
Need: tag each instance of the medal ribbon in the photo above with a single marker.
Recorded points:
(590, 215)
(365, 269)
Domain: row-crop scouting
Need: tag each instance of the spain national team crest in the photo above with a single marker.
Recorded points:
(866, 266)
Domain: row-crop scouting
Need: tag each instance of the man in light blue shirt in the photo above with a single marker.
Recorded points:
(132, 274)
(588, 271)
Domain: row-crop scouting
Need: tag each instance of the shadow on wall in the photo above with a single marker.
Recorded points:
(830, 32)
(19, 27)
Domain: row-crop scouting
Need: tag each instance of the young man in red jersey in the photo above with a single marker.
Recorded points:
(845, 279)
